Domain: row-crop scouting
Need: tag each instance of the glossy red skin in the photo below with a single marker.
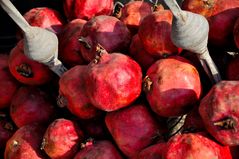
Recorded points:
(29, 139)
(221, 102)
(8, 83)
(155, 34)
(108, 31)
(99, 150)
(87, 9)
(221, 15)
(41, 73)
(176, 86)
(30, 105)
(152, 152)
(61, 139)
(132, 128)
(195, 145)
(138, 53)
(45, 18)
(69, 47)
(114, 82)
(133, 12)
(73, 88)
(232, 72)
(236, 33)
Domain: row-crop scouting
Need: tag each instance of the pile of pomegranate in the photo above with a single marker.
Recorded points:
(125, 83)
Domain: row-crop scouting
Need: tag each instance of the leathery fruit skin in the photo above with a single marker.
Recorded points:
(25, 143)
(8, 83)
(113, 81)
(195, 145)
(220, 112)
(102, 149)
(72, 88)
(172, 85)
(61, 139)
(133, 128)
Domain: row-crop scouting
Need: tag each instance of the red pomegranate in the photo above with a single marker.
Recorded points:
(29, 105)
(8, 83)
(101, 149)
(155, 34)
(25, 143)
(87, 9)
(138, 53)
(72, 90)
(133, 128)
(45, 17)
(27, 71)
(113, 81)
(107, 31)
(195, 145)
(61, 139)
(232, 73)
(236, 32)
(221, 15)
(219, 112)
(133, 12)
(172, 86)
(69, 46)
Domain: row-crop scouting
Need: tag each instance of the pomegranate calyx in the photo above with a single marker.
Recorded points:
(61, 101)
(89, 142)
(147, 84)
(83, 41)
(226, 123)
(117, 11)
(25, 70)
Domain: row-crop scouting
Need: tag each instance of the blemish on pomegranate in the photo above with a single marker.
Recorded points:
(25, 70)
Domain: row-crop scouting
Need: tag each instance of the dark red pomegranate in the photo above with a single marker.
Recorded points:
(133, 128)
(236, 33)
(25, 143)
(138, 53)
(45, 17)
(152, 152)
(172, 86)
(113, 81)
(101, 149)
(221, 15)
(87, 9)
(155, 34)
(133, 12)
(29, 105)
(219, 112)
(195, 145)
(107, 31)
(61, 139)
(69, 47)
(72, 90)
(8, 84)
(232, 72)
(7, 129)
(27, 71)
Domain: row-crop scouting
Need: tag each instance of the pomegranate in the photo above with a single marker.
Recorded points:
(45, 17)
(219, 112)
(234, 151)
(61, 139)
(6, 129)
(107, 31)
(113, 81)
(232, 73)
(155, 34)
(27, 71)
(152, 152)
(8, 83)
(25, 143)
(87, 9)
(29, 105)
(221, 15)
(138, 53)
(195, 145)
(69, 47)
(133, 128)
(101, 149)
(165, 98)
(133, 12)
(236, 32)
(72, 90)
